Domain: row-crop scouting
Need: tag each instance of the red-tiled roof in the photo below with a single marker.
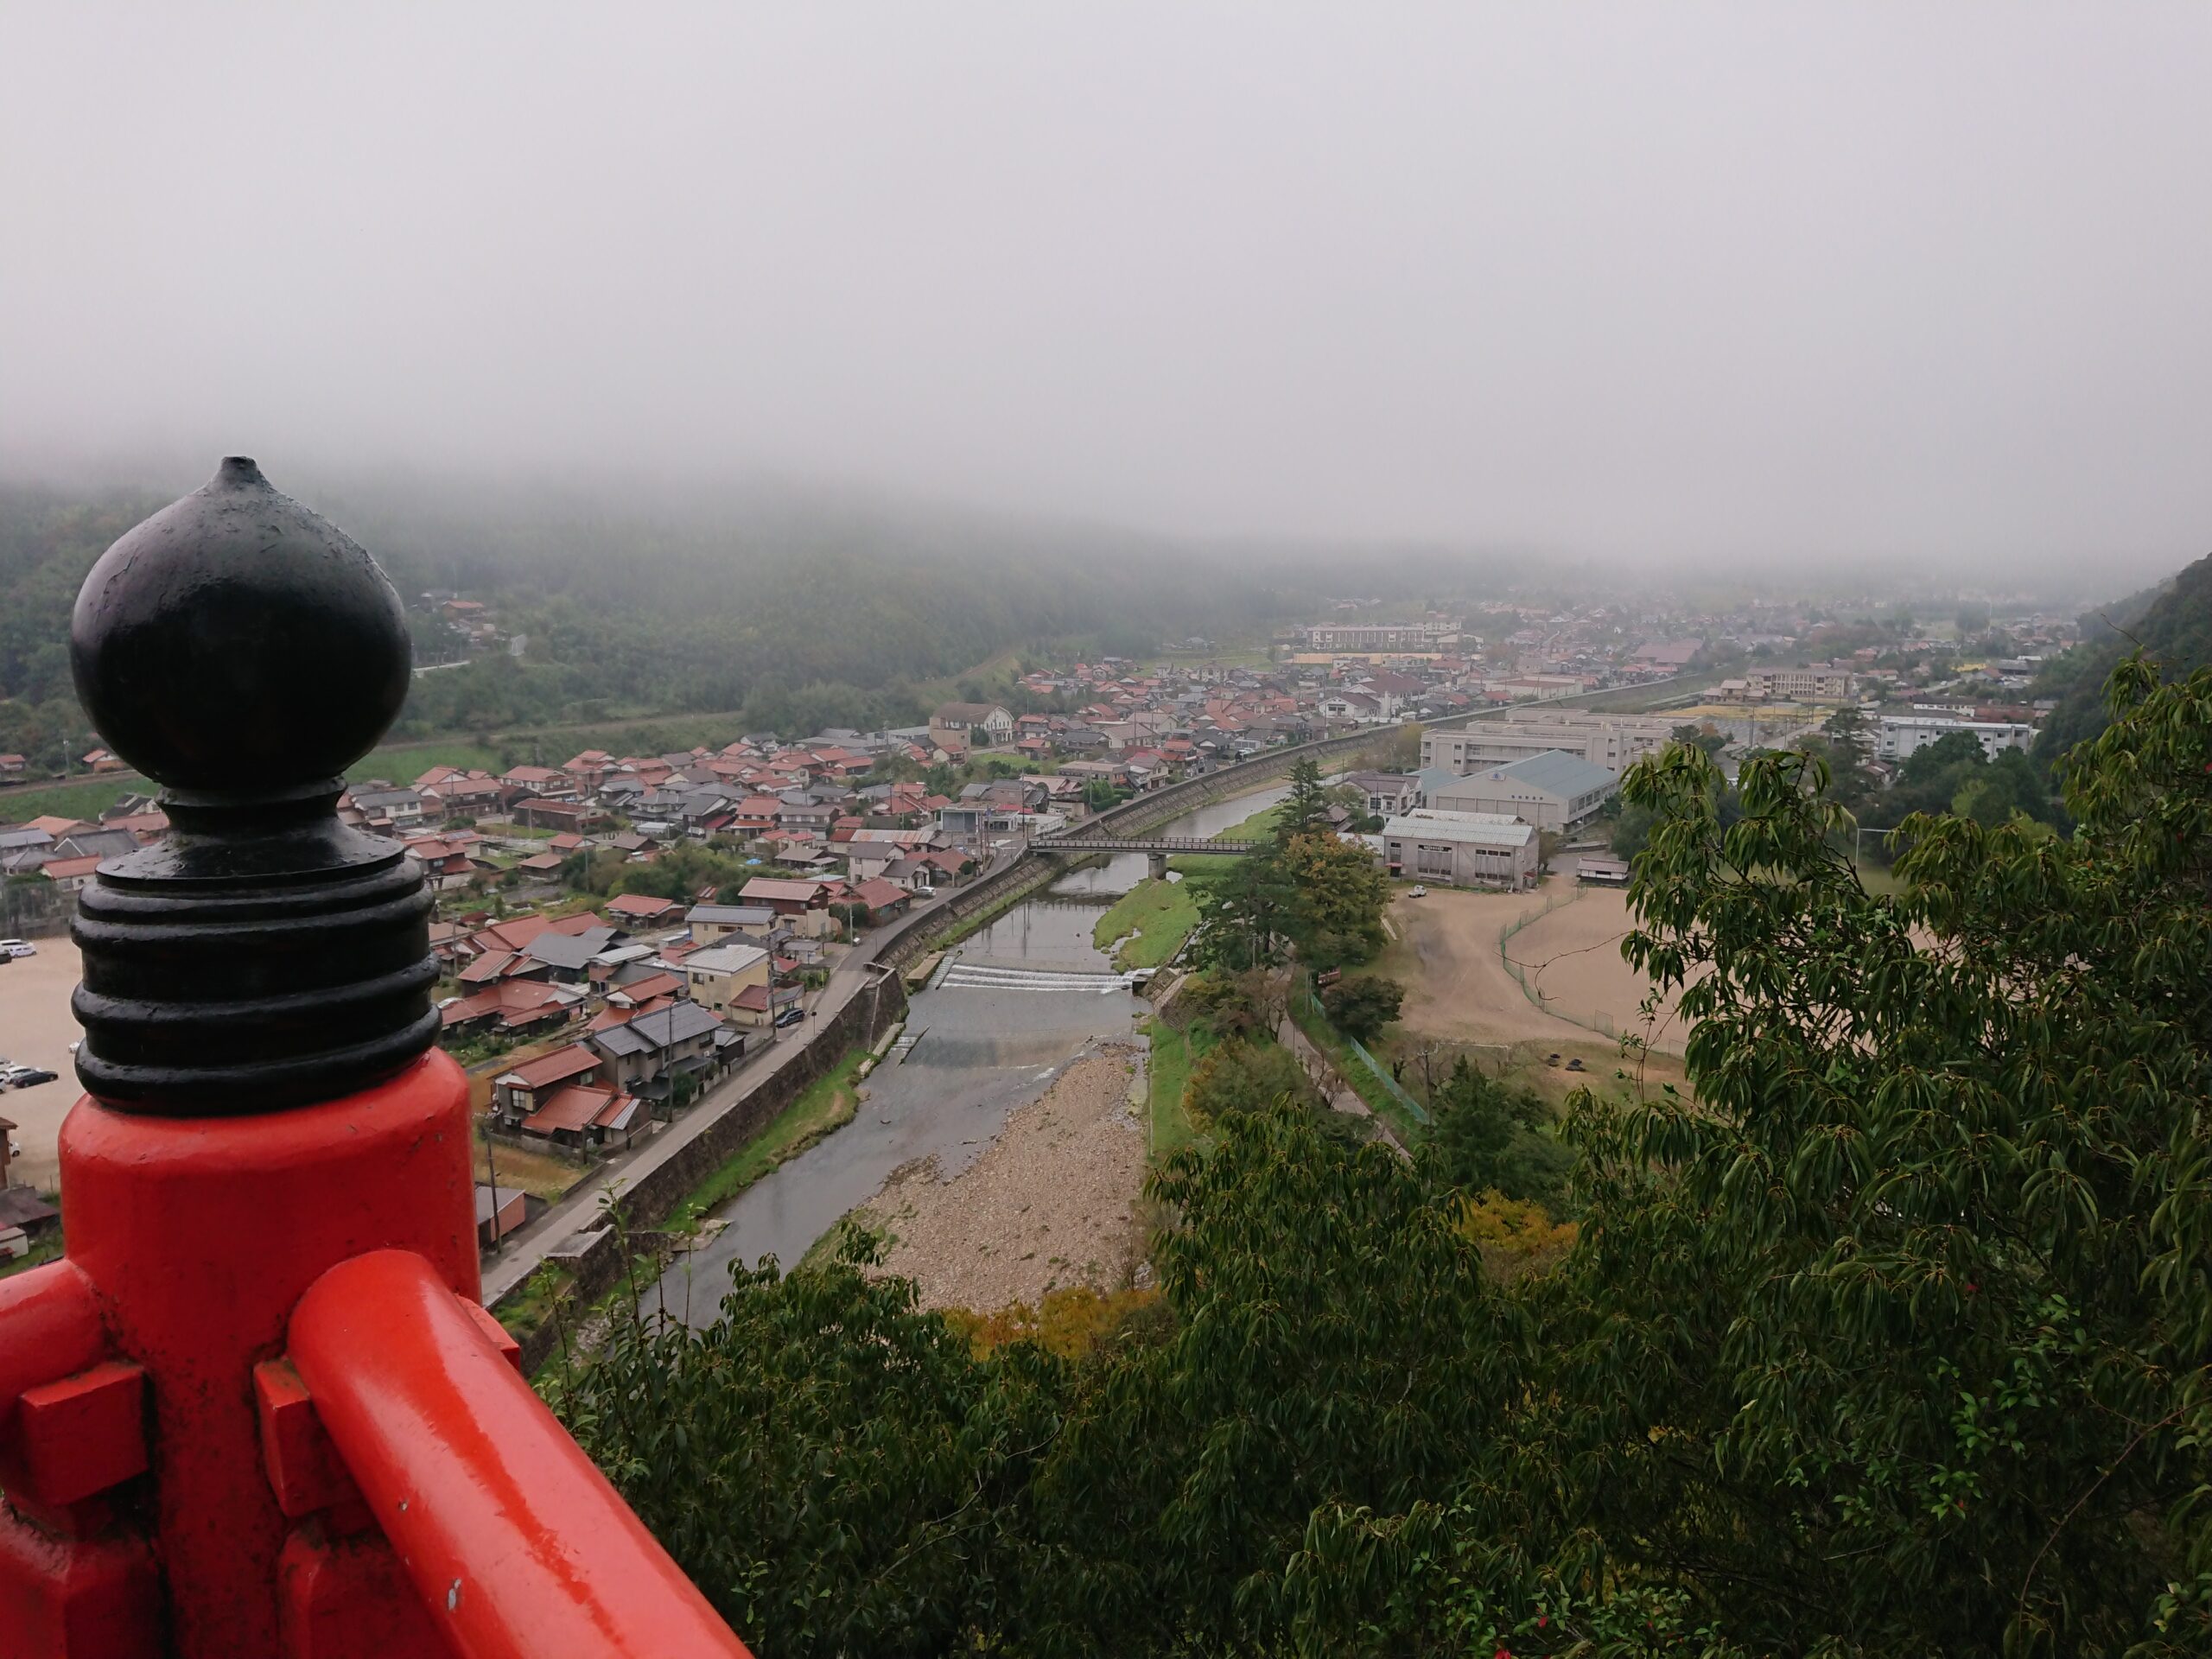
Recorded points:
(619, 1113)
(562, 1063)
(639, 990)
(572, 1108)
(487, 967)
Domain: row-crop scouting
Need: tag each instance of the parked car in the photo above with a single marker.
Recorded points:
(1419, 892)
(25, 1076)
(11, 949)
(791, 1016)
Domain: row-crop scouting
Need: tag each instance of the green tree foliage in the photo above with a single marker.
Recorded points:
(1955, 775)
(1329, 1351)
(828, 1462)
(1246, 918)
(1363, 1007)
(1937, 759)
(1336, 915)
(1305, 811)
(681, 871)
(1237, 1075)
(1491, 1137)
(1926, 1318)
(2172, 625)
(1631, 830)
(1700, 737)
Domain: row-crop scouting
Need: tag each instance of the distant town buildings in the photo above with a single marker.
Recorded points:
(1378, 636)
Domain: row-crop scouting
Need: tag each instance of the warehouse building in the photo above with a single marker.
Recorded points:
(1461, 849)
(1552, 791)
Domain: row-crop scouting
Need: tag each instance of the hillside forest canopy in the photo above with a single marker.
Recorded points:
(792, 611)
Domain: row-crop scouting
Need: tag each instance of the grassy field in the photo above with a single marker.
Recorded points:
(1162, 916)
(47, 1250)
(828, 1104)
(1258, 827)
(1174, 1052)
(402, 763)
(539, 1173)
(86, 800)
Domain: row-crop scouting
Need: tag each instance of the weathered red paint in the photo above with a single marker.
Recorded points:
(198, 1236)
(518, 1545)
(97, 1599)
(85, 1434)
(49, 1327)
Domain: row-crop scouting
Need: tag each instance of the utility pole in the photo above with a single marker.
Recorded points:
(491, 1174)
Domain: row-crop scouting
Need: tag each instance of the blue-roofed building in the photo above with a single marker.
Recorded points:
(1552, 791)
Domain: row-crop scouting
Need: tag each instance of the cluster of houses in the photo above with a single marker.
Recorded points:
(658, 998)
(66, 851)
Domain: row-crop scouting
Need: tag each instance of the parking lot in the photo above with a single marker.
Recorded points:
(36, 1029)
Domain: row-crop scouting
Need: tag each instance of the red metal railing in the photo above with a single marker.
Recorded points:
(518, 1545)
(49, 1326)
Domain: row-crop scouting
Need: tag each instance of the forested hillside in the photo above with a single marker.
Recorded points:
(801, 609)
(2173, 625)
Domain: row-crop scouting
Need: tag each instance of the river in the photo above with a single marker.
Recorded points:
(1025, 995)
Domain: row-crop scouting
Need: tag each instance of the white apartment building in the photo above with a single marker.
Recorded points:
(1901, 735)
(1614, 742)
(1461, 849)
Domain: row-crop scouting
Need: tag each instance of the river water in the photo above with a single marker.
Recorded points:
(1124, 870)
(1024, 997)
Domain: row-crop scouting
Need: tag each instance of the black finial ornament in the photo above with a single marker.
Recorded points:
(242, 652)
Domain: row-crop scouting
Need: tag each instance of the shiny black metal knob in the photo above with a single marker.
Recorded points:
(242, 652)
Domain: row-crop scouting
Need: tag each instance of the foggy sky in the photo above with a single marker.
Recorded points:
(1641, 281)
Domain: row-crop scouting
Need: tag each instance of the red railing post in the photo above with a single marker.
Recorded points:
(264, 1110)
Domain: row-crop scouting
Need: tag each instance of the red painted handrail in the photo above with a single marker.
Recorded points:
(519, 1546)
(49, 1327)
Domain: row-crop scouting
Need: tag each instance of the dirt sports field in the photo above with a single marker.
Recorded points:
(36, 1029)
(1458, 987)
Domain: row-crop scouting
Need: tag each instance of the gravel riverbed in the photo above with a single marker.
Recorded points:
(1049, 1203)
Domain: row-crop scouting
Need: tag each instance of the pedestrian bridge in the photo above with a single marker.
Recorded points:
(1157, 848)
(1076, 841)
